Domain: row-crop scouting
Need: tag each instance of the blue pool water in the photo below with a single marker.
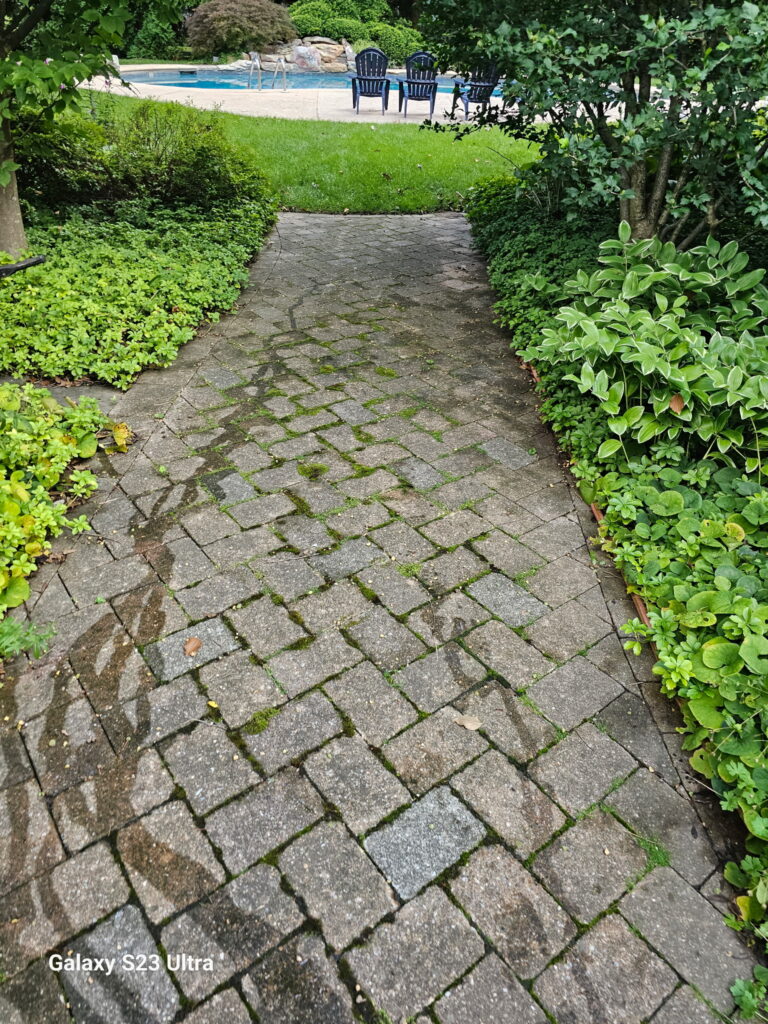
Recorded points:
(206, 78)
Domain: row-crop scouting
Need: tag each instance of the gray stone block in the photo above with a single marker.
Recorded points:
(298, 982)
(169, 860)
(688, 932)
(447, 618)
(263, 819)
(423, 841)
(299, 670)
(439, 678)
(506, 600)
(168, 659)
(125, 996)
(591, 865)
(581, 768)
(573, 692)
(520, 918)
(591, 981)
(208, 766)
(233, 927)
(432, 749)
(377, 709)
(385, 640)
(398, 968)
(654, 810)
(509, 802)
(315, 863)
(299, 726)
(490, 993)
(266, 627)
(351, 778)
(507, 722)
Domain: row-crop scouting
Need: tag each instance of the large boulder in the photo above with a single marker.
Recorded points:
(307, 58)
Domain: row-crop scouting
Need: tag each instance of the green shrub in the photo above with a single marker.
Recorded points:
(166, 151)
(62, 160)
(362, 44)
(397, 41)
(40, 440)
(116, 296)
(231, 26)
(154, 41)
(18, 637)
(177, 155)
(530, 254)
(345, 28)
(671, 345)
(313, 18)
(334, 20)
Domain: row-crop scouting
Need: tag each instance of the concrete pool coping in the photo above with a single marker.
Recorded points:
(294, 104)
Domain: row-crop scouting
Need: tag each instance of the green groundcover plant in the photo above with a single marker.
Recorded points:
(42, 444)
(127, 281)
(652, 370)
(115, 297)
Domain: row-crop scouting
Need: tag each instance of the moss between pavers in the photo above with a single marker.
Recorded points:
(259, 721)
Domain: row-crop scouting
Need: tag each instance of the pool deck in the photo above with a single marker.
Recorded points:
(295, 104)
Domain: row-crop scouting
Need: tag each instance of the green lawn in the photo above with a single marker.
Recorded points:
(333, 167)
(337, 167)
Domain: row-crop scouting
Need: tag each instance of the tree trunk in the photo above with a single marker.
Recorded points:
(641, 223)
(13, 238)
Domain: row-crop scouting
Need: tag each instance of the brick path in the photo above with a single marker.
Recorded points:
(343, 504)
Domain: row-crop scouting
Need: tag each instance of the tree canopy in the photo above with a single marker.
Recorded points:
(653, 105)
(46, 48)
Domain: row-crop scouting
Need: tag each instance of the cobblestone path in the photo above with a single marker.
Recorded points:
(338, 701)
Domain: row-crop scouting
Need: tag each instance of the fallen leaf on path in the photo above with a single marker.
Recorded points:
(192, 645)
(471, 722)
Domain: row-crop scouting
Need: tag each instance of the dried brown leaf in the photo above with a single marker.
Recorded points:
(471, 722)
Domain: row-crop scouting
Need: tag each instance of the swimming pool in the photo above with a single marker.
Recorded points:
(208, 78)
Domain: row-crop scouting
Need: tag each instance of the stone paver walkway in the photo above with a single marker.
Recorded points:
(338, 703)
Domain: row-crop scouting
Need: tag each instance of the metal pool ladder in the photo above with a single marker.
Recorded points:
(256, 66)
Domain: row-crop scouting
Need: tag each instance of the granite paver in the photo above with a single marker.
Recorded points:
(356, 783)
(590, 982)
(401, 756)
(525, 924)
(707, 955)
(398, 966)
(314, 863)
(424, 840)
(233, 927)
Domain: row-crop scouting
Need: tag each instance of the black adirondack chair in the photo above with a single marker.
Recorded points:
(420, 82)
(371, 78)
(476, 88)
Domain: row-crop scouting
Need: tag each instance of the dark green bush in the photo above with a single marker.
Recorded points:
(530, 256)
(345, 28)
(397, 41)
(230, 26)
(128, 279)
(313, 18)
(334, 19)
(116, 296)
(164, 151)
(154, 41)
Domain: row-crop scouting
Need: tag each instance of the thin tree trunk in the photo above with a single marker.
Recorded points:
(13, 238)
(639, 220)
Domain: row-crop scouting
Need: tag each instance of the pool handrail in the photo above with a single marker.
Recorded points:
(255, 65)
